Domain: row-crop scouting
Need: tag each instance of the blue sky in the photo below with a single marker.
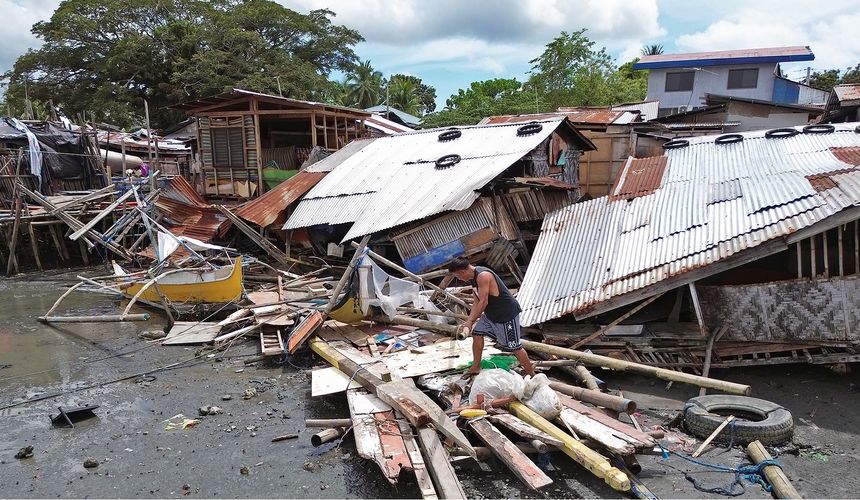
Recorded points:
(450, 43)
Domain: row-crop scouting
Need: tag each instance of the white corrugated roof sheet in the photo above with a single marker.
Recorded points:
(394, 180)
(713, 201)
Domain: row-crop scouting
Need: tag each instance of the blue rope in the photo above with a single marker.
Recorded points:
(750, 472)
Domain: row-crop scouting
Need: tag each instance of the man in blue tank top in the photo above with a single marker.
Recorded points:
(495, 313)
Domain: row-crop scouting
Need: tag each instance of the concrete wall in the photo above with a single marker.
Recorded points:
(709, 80)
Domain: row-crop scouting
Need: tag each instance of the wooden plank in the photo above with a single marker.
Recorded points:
(597, 432)
(330, 380)
(582, 454)
(363, 408)
(271, 343)
(434, 358)
(713, 435)
(101, 215)
(506, 451)
(523, 429)
(303, 330)
(419, 467)
(439, 463)
(620, 427)
(599, 333)
(191, 332)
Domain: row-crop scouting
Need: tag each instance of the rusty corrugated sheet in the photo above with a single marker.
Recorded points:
(547, 182)
(270, 208)
(714, 201)
(640, 176)
(847, 92)
(849, 155)
(187, 213)
(582, 116)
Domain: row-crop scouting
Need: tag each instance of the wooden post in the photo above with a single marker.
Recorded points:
(814, 271)
(439, 463)
(346, 276)
(709, 350)
(313, 128)
(826, 253)
(258, 134)
(34, 243)
(325, 131)
(839, 249)
(782, 487)
(149, 144)
(13, 242)
(697, 306)
(623, 365)
(799, 259)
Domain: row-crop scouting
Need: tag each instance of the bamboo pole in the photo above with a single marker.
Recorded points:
(580, 453)
(782, 487)
(652, 371)
(108, 318)
(598, 398)
(350, 269)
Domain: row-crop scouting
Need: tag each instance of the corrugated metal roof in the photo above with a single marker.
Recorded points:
(581, 116)
(712, 58)
(328, 163)
(682, 126)
(385, 125)
(714, 201)
(394, 180)
(231, 95)
(847, 93)
(269, 208)
(647, 109)
(188, 213)
(640, 176)
(850, 156)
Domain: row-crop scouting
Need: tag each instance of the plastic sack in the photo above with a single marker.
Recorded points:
(539, 396)
(425, 304)
(496, 383)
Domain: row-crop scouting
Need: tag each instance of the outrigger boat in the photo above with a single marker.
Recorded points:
(212, 285)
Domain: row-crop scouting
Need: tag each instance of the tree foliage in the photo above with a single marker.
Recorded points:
(426, 94)
(827, 79)
(652, 50)
(364, 86)
(571, 72)
(107, 56)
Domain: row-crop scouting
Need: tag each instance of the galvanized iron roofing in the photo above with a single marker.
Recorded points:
(395, 179)
(693, 207)
(720, 57)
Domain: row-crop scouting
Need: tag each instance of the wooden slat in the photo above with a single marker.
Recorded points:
(506, 451)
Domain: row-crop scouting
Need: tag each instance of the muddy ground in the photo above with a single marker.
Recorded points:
(231, 455)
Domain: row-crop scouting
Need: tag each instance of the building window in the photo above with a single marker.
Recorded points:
(680, 81)
(227, 147)
(743, 78)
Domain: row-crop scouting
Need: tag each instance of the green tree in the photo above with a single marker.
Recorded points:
(500, 96)
(365, 85)
(572, 72)
(652, 50)
(106, 56)
(824, 80)
(426, 93)
(852, 75)
(627, 84)
(403, 95)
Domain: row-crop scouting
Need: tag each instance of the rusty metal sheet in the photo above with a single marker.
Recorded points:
(847, 92)
(848, 155)
(641, 176)
(590, 116)
(270, 208)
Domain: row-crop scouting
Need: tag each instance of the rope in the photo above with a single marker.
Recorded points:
(754, 473)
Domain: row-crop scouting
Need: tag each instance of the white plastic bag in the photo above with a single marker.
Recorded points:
(378, 288)
(539, 396)
(496, 383)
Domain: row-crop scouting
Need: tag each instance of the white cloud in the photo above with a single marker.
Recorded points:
(18, 17)
(830, 29)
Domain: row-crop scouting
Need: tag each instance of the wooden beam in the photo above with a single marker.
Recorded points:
(782, 487)
(599, 333)
(713, 435)
(652, 371)
(580, 453)
(596, 431)
(262, 242)
(438, 462)
(523, 429)
(101, 215)
(709, 351)
(614, 403)
(506, 451)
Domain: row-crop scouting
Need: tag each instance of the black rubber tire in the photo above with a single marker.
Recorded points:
(529, 129)
(729, 139)
(779, 133)
(450, 135)
(447, 161)
(824, 128)
(676, 143)
(776, 426)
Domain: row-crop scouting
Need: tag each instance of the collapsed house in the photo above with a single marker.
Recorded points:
(47, 157)
(762, 226)
(246, 138)
(843, 104)
(437, 194)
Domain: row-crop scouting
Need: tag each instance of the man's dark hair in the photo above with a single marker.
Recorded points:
(458, 264)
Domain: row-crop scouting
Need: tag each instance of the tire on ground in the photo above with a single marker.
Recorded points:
(775, 426)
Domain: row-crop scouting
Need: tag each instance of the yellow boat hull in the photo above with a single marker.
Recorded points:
(213, 286)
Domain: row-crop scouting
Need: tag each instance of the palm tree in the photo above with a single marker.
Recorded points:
(652, 50)
(403, 95)
(364, 85)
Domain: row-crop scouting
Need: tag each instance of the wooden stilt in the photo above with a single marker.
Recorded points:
(506, 451)
(34, 243)
(13, 241)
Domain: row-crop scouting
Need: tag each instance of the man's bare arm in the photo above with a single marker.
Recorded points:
(482, 299)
